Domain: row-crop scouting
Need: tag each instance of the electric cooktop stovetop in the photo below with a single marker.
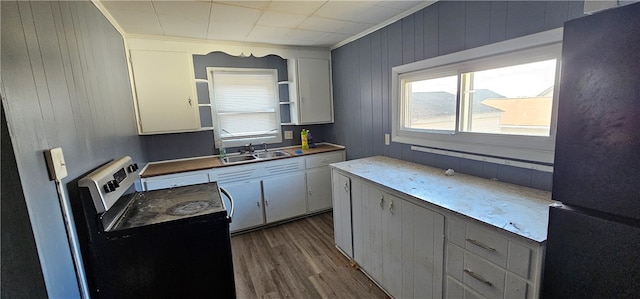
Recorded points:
(153, 207)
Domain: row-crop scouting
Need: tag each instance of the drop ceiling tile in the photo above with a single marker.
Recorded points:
(296, 7)
(353, 28)
(299, 34)
(229, 32)
(280, 19)
(137, 6)
(342, 10)
(137, 22)
(248, 4)
(322, 24)
(184, 9)
(331, 39)
(265, 33)
(234, 14)
(401, 5)
(376, 15)
(184, 27)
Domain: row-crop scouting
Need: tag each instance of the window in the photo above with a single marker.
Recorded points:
(245, 105)
(496, 100)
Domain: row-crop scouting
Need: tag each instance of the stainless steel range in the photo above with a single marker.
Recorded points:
(156, 244)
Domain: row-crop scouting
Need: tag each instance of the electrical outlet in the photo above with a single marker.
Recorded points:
(55, 163)
(386, 139)
(288, 134)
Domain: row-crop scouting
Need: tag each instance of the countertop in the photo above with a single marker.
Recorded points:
(208, 162)
(520, 210)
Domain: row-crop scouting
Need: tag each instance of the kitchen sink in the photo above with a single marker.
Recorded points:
(273, 154)
(236, 159)
(232, 159)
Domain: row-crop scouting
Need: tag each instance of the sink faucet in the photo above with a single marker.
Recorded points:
(247, 149)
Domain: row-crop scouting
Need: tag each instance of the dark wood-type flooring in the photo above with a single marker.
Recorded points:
(297, 260)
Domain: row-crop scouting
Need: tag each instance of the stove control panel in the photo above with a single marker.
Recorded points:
(109, 182)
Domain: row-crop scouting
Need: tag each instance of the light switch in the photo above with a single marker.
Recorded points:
(288, 134)
(56, 164)
(386, 139)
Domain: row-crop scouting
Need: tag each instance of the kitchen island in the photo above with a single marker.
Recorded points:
(439, 235)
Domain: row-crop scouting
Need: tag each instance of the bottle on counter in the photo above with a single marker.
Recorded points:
(305, 141)
(310, 140)
(223, 152)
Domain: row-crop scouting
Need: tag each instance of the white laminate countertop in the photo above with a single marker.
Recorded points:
(519, 210)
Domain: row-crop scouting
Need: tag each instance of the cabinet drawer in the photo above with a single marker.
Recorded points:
(184, 180)
(324, 159)
(487, 245)
(456, 290)
(483, 277)
(491, 246)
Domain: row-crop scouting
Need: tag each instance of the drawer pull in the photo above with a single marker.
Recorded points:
(381, 200)
(477, 277)
(479, 244)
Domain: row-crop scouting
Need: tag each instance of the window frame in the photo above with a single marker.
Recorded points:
(270, 136)
(537, 149)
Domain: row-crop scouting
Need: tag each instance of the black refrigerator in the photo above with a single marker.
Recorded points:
(593, 242)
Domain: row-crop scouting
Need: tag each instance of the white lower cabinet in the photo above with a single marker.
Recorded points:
(341, 187)
(319, 189)
(319, 180)
(414, 248)
(247, 198)
(269, 191)
(398, 244)
(487, 263)
(284, 196)
(423, 252)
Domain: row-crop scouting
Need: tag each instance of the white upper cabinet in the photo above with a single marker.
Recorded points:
(165, 89)
(310, 91)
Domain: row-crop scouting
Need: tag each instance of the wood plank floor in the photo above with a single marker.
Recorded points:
(297, 260)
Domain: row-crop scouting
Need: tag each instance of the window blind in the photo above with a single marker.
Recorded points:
(246, 105)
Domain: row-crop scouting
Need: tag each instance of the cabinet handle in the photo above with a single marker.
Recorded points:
(310, 193)
(266, 202)
(258, 203)
(391, 207)
(381, 201)
(478, 278)
(346, 187)
(190, 102)
(481, 245)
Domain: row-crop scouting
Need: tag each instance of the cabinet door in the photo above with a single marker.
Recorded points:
(376, 202)
(319, 189)
(285, 196)
(165, 91)
(423, 252)
(392, 245)
(247, 199)
(359, 192)
(314, 89)
(341, 187)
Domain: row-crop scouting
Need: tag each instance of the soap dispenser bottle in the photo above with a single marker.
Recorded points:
(303, 137)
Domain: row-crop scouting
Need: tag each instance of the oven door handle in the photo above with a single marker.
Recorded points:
(226, 193)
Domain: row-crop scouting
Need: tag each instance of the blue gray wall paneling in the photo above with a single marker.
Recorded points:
(65, 84)
(361, 73)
